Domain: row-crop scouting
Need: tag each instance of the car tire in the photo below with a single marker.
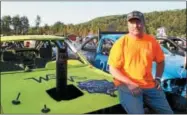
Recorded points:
(177, 102)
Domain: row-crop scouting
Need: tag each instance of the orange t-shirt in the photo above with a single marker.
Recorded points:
(134, 58)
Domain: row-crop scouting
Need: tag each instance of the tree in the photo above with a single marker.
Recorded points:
(16, 24)
(5, 25)
(58, 27)
(24, 25)
(32, 30)
(173, 20)
(37, 21)
(46, 29)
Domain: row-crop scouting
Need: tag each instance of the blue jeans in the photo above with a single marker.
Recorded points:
(153, 97)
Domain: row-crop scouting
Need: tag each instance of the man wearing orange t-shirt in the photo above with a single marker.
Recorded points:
(130, 62)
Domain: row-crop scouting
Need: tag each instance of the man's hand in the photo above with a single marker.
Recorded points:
(134, 88)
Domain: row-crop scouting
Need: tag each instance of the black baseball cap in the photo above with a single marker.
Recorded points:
(135, 14)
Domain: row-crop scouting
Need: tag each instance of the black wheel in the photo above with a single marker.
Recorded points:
(177, 102)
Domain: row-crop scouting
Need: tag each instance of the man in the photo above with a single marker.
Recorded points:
(130, 62)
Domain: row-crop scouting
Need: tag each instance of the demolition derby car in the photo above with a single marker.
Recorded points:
(174, 77)
(34, 81)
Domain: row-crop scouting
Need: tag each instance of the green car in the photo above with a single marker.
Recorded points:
(33, 81)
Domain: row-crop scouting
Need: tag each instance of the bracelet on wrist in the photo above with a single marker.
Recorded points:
(159, 78)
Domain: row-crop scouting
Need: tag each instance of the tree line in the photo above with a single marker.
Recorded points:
(173, 20)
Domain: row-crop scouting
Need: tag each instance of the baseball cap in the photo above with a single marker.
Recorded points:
(135, 14)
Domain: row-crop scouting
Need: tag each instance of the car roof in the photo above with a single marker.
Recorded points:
(174, 38)
(31, 37)
(113, 37)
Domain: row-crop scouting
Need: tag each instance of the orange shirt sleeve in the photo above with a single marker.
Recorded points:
(159, 55)
(116, 58)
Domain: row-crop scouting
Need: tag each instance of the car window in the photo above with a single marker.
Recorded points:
(106, 46)
(168, 45)
(31, 54)
(71, 54)
(11, 45)
(91, 45)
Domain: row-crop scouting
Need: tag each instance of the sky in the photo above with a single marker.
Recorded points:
(82, 11)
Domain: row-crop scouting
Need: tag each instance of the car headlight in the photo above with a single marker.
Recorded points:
(177, 86)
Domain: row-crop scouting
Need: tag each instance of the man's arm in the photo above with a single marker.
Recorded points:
(116, 73)
(159, 59)
(133, 87)
(160, 69)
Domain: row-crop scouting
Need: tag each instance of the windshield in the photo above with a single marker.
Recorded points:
(166, 51)
(33, 54)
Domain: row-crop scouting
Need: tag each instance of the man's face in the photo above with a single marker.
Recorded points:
(135, 27)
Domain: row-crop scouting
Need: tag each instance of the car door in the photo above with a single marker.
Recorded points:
(103, 52)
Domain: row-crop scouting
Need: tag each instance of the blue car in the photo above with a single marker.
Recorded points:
(174, 76)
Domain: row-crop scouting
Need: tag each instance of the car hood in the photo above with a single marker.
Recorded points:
(33, 86)
(173, 67)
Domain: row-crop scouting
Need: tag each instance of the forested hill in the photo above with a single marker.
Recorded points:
(173, 20)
